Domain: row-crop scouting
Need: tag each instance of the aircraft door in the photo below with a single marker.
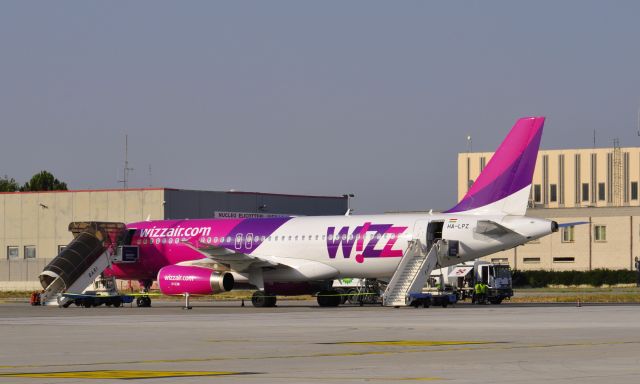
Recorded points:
(420, 230)
(434, 232)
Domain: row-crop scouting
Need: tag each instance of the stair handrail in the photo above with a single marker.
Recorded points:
(403, 262)
(434, 248)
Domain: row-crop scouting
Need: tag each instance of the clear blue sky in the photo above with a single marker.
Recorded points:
(325, 97)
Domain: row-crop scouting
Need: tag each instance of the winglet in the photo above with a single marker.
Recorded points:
(504, 184)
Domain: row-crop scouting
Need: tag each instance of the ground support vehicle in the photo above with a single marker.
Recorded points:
(462, 278)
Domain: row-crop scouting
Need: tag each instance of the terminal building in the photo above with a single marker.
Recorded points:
(598, 186)
(34, 225)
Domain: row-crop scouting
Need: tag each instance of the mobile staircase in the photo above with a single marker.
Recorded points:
(80, 263)
(412, 273)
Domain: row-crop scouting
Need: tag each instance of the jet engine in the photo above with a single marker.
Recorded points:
(178, 280)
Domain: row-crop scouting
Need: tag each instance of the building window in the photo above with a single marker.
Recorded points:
(600, 233)
(537, 196)
(553, 193)
(29, 252)
(634, 190)
(531, 260)
(13, 252)
(601, 191)
(567, 234)
(564, 259)
(500, 260)
(585, 191)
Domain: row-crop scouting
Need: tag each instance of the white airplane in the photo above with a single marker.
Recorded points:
(301, 255)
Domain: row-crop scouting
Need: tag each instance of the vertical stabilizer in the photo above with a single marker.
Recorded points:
(503, 186)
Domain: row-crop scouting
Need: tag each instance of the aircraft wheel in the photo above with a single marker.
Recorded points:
(328, 299)
(261, 300)
(143, 301)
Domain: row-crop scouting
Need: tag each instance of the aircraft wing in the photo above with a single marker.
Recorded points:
(239, 262)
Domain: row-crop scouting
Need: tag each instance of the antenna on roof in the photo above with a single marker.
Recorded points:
(594, 138)
(125, 176)
(638, 121)
(150, 176)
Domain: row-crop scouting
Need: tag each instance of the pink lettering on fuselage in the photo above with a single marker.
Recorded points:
(366, 237)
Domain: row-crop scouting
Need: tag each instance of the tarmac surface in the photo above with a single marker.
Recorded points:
(298, 342)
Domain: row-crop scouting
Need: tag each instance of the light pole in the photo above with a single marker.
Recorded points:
(348, 196)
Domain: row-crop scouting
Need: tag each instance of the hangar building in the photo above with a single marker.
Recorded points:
(34, 225)
(598, 186)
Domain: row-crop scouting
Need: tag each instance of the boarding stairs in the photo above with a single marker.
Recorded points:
(412, 273)
(93, 250)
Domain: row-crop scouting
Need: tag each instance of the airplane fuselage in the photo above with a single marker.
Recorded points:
(323, 247)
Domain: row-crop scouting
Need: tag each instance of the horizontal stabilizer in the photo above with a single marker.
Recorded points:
(572, 224)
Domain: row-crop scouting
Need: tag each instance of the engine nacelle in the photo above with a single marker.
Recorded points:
(178, 280)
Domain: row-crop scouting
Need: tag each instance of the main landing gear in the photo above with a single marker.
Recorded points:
(144, 301)
(261, 299)
(329, 298)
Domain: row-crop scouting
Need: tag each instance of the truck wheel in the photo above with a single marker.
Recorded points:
(496, 301)
(117, 302)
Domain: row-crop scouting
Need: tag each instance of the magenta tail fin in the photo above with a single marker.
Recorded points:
(503, 186)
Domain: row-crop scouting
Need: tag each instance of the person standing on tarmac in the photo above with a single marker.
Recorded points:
(485, 292)
(477, 293)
